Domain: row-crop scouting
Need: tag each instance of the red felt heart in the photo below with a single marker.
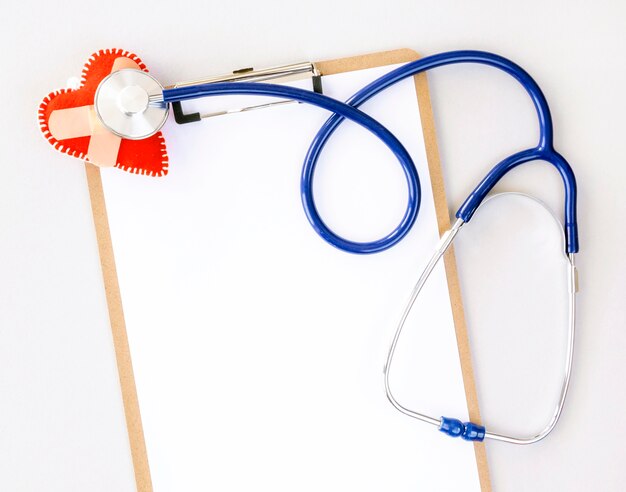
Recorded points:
(147, 156)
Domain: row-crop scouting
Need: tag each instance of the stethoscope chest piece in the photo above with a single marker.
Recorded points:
(128, 104)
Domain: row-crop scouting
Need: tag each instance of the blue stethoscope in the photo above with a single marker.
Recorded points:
(141, 120)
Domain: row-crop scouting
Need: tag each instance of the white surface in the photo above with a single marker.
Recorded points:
(256, 346)
(62, 427)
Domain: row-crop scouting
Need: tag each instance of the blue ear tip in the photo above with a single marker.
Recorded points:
(452, 427)
(468, 430)
(473, 432)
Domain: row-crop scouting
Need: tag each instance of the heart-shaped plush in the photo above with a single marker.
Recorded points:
(68, 121)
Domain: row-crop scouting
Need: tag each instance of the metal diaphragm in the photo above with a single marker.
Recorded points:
(125, 104)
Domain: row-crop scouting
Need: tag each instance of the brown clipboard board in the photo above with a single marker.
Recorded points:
(114, 300)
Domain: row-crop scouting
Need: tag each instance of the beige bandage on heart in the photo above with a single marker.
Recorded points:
(83, 122)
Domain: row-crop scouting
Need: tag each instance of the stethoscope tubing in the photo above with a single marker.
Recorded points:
(544, 150)
(345, 111)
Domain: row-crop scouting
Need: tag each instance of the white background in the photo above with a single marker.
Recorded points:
(61, 423)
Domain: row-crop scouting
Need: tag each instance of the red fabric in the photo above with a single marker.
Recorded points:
(148, 156)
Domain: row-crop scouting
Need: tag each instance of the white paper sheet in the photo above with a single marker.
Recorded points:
(257, 347)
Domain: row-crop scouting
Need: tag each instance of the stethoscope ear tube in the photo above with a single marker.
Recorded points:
(470, 431)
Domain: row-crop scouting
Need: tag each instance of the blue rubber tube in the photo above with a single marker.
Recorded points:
(344, 111)
(544, 150)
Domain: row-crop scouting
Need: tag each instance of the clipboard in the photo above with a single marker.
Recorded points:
(114, 301)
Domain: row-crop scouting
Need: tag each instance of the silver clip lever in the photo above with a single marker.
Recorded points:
(285, 73)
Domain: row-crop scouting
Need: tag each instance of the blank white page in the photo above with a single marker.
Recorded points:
(257, 347)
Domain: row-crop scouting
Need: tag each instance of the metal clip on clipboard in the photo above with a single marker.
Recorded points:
(285, 73)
